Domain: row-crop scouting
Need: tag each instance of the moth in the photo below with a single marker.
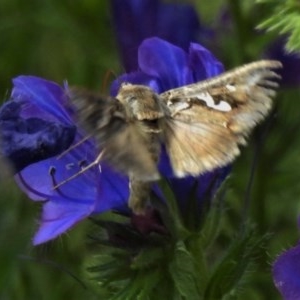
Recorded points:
(201, 125)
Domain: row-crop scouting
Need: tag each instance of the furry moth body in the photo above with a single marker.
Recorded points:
(201, 125)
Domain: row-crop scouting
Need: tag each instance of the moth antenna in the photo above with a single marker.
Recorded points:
(83, 170)
(106, 79)
(73, 146)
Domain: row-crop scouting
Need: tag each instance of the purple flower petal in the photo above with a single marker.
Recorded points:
(202, 63)
(286, 273)
(54, 171)
(164, 61)
(35, 125)
(58, 217)
(44, 98)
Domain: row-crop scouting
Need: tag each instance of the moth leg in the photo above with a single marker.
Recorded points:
(139, 195)
(84, 169)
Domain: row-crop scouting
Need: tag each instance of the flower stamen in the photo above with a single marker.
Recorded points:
(52, 171)
(83, 170)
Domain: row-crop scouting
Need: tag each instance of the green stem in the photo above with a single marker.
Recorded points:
(241, 31)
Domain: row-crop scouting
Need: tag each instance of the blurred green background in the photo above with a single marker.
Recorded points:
(74, 40)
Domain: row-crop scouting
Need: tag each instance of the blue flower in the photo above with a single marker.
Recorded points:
(286, 273)
(136, 20)
(37, 119)
(162, 66)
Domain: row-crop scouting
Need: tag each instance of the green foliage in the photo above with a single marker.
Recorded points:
(284, 18)
(170, 265)
(128, 265)
(229, 272)
(57, 40)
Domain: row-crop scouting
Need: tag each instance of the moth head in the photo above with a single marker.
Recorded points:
(140, 101)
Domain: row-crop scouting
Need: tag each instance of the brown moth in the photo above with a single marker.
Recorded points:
(201, 125)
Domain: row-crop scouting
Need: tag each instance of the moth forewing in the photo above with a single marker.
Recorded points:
(209, 120)
(249, 75)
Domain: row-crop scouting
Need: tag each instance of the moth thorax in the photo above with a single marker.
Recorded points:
(140, 102)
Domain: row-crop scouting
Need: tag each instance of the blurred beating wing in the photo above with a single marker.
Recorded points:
(122, 141)
(209, 120)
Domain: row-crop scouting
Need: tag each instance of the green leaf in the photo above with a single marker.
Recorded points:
(284, 18)
(148, 285)
(148, 257)
(184, 274)
(153, 280)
